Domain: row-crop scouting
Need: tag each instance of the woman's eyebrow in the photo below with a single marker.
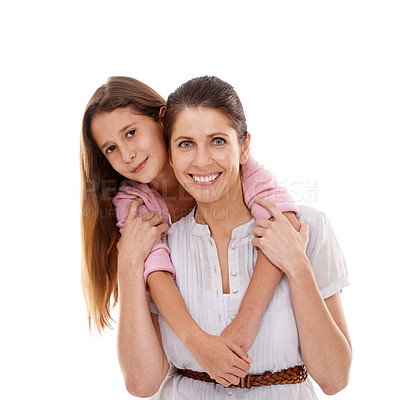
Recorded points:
(207, 136)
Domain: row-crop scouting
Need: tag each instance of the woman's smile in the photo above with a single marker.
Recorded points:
(205, 179)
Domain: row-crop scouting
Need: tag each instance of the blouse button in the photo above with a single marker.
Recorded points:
(233, 246)
(233, 273)
(230, 392)
(234, 291)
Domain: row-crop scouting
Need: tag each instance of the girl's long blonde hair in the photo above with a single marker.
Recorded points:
(99, 184)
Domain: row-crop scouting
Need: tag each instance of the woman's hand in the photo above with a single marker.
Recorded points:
(140, 234)
(221, 358)
(278, 240)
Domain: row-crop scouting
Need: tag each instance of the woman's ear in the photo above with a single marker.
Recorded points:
(161, 114)
(244, 155)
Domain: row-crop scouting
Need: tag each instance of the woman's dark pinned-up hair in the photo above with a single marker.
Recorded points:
(206, 92)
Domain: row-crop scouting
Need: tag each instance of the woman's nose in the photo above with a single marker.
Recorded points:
(202, 158)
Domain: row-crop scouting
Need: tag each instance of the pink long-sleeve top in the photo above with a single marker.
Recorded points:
(256, 182)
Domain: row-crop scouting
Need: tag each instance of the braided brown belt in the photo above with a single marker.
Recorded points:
(296, 374)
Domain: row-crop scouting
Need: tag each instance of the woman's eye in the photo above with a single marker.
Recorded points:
(185, 144)
(110, 149)
(218, 141)
(130, 133)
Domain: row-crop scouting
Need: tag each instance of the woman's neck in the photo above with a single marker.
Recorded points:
(166, 183)
(225, 214)
(179, 201)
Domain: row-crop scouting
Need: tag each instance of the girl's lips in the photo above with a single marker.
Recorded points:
(140, 166)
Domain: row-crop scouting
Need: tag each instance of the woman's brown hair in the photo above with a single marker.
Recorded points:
(99, 184)
(207, 92)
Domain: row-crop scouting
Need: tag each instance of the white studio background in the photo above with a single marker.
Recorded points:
(320, 85)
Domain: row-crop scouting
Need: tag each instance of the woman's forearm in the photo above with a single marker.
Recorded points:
(325, 348)
(140, 353)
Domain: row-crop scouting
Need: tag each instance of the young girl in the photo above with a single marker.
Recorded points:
(122, 138)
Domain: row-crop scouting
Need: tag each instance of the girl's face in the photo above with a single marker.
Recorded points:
(131, 142)
(206, 154)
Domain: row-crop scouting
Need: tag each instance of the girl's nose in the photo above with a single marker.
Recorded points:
(127, 155)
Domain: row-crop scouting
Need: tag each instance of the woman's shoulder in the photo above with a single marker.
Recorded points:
(323, 250)
(311, 215)
(316, 221)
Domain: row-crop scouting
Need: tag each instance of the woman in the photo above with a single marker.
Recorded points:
(122, 139)
(214, 256)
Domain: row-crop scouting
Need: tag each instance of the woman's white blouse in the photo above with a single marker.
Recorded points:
(198, 277)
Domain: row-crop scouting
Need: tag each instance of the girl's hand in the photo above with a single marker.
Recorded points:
(243, 333)
(278, 240)
(140, 234)
(221, 358)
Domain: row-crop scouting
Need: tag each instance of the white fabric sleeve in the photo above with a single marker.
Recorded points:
(323, 251)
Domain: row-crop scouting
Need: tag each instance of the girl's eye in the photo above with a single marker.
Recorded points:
(219, 141)
(185, 144)
(130, 133)
(110, 149)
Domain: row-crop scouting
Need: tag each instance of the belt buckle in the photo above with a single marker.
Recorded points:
(245, 382)
(241, 384)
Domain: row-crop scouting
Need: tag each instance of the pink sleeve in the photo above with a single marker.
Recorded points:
(158, 259)
(258, 182)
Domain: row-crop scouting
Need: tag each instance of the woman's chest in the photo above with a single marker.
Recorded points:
(199, 279)
(203, 277)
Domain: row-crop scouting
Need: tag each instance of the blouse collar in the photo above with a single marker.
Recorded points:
(203, 230)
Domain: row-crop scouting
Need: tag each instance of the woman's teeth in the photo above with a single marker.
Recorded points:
(205, 179)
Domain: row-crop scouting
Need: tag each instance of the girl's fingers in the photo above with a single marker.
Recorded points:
(223, 381)
(232, 379)
(238, 372)
(244, 359)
